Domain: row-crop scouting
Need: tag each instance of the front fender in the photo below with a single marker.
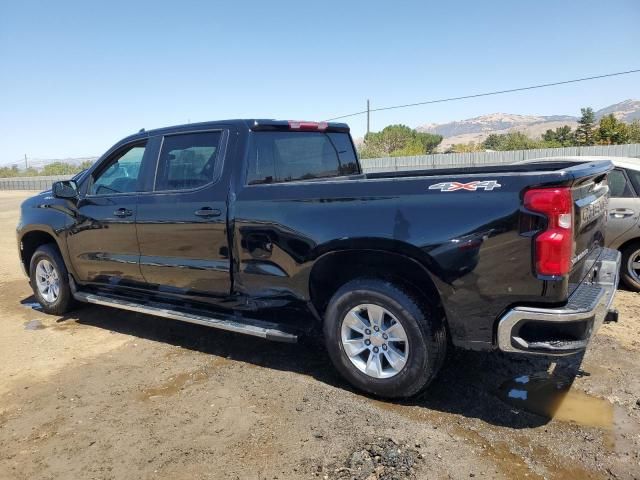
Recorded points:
(47, 215)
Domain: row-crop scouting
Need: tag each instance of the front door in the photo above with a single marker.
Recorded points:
(624, 208)
(181, 223)
(102, 242)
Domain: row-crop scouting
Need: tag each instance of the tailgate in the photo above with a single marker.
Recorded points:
(590, 202)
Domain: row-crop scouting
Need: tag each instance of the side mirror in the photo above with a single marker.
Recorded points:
(67, 189)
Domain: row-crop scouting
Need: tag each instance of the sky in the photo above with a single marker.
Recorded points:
(76, 76)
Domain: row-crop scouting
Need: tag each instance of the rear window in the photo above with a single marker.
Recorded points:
(187, 161)
(277, 157)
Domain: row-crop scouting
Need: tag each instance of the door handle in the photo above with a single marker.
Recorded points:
(621, 212)
(207, 212)
(122, 212)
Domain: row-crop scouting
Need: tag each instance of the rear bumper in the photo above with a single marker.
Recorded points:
(568, 329)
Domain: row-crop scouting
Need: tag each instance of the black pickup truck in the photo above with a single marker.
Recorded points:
(270, 228)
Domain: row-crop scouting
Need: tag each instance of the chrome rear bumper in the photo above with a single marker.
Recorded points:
(568, 329)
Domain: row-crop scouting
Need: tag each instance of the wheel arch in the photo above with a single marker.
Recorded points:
(31, 240)
(626, 243)
(333, 269)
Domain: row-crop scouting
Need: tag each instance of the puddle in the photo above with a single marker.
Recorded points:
(551, 396)
(34, 325)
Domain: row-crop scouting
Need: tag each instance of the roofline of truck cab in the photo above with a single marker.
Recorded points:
(247, 123)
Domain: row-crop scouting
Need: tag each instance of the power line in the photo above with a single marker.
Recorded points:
(486, 94)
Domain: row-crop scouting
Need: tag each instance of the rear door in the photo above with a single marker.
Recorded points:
(181, 222)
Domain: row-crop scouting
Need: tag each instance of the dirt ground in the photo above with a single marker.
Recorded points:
(102, 394)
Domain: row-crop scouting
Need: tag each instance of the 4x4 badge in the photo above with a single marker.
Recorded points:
(471, 186)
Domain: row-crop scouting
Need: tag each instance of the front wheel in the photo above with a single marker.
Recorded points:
(382, 339)
(50, 280)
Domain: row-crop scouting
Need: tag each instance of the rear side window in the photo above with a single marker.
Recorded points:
(187, 161)
(619, 185)
(288, 156)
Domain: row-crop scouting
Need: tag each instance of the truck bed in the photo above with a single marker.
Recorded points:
(562, 168)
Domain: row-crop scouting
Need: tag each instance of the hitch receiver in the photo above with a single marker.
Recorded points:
(611, 316)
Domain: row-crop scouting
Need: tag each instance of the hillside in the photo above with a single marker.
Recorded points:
(478, 128)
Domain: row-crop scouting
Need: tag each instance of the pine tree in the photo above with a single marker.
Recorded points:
(584, 132)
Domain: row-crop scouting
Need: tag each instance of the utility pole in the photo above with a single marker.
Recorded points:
(368, 115)
(26, 163)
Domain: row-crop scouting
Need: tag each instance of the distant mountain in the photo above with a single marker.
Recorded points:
(477, 129)
(490, 123)
(627, 111)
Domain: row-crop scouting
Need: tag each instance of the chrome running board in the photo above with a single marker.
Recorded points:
(256, 328)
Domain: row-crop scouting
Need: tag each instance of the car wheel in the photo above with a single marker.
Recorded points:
(630, 267)
(50, 280)
(382, 339)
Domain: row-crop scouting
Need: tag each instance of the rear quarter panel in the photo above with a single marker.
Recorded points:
(469, 241)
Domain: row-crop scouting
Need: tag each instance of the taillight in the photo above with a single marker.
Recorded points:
(554, 246)
(308, 126)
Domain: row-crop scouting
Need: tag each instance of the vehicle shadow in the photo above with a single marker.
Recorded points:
(468, 384)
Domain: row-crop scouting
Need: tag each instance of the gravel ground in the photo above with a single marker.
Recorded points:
(107, 394)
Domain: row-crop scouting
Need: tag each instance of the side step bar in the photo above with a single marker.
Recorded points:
(255, 328)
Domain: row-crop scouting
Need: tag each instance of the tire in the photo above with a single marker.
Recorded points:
(48, 257)
(424, 348)
(629, 278)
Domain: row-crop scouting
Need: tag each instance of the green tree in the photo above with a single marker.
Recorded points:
(562, 136)
(584, 131)
(634, 131)
(60, 168)
(9, 171)
(429, 141)
(611, 131)
(86, 164)
(492, 142)
(465, 147)
(398, 140)
(510, 141)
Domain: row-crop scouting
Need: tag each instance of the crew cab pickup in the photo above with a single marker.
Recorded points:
(270, 228)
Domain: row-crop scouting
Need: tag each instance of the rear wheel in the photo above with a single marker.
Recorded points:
(382, 339)
(50, 280)
(630, 266)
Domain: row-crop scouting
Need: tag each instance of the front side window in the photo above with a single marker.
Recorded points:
(619, 185)
(121, 173)
(288, 156)
(187, 161)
